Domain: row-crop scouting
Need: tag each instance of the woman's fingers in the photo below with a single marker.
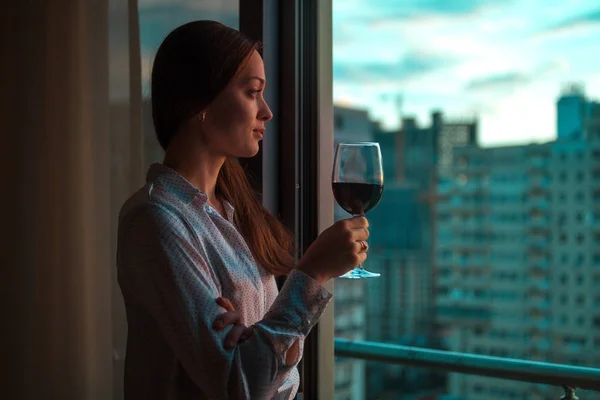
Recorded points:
(239, 332)
(225, 303)
(361, 246)
(226, 319)
(249, 331)
(234, 335)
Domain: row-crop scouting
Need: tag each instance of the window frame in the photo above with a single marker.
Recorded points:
(297, 37)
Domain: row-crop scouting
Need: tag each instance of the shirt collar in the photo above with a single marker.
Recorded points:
(181, 187)
(174, 183)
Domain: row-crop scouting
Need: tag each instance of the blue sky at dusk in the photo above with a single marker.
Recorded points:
(503, 61)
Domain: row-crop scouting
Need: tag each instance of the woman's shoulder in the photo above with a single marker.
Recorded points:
(152, 204)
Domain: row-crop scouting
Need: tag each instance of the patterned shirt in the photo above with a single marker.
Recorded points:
(176, 254)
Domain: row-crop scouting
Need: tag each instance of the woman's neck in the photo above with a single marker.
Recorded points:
(197, 165)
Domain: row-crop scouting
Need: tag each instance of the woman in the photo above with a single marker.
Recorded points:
(196, 233)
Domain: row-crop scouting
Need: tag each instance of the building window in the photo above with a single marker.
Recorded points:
(338, 122)
(562, 177)
(564, 299)
(562, 197)
(563, 238)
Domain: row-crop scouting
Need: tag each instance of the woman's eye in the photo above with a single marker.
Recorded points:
(255, 92)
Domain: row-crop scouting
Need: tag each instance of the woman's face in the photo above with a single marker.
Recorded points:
(235, 120)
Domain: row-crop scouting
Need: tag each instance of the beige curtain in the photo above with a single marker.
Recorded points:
(70, 121)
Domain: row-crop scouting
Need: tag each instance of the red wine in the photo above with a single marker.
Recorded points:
(357, 198)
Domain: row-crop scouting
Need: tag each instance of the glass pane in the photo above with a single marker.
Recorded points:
(157, 19)
(487, 233)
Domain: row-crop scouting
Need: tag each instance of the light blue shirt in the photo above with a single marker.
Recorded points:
(175, 256)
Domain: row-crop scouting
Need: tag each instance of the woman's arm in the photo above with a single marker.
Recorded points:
(161, 271)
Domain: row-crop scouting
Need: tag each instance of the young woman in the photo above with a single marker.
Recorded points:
(198, 254)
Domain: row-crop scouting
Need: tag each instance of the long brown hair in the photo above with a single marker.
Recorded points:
(193, 65)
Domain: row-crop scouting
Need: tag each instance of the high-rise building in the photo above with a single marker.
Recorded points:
(517, 259)
(350, 301)
(452, 134)
(399, 303)
(573, 111)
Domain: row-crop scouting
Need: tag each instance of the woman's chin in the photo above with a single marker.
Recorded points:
(249, 152)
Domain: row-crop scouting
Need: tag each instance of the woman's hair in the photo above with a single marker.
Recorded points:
(193, 65)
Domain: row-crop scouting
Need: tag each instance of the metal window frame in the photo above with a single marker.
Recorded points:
(297, 53)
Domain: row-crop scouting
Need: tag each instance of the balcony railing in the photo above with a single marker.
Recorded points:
(569, 377)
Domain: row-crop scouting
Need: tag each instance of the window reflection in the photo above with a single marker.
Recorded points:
(157, 19)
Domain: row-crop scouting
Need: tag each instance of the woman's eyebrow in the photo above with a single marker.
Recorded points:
(257, 78)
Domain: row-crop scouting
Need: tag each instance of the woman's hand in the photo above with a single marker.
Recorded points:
(239, 333)
(337, 250)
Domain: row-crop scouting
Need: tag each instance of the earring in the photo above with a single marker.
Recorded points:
(202, 117)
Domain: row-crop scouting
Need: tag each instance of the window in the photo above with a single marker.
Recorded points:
(564, 299)
(338, 122)
(562, 177)
(425, 97)
(562, 197)
(157, 19)
(563, 238)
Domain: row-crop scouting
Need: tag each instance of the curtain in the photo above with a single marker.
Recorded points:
(70, 121)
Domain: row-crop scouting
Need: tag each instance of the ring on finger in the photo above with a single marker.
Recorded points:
(363, 246)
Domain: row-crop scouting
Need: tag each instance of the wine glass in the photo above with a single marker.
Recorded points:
(357, 184)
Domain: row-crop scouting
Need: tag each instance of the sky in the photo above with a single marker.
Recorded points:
(503, 62)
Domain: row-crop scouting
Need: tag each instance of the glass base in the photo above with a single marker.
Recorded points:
(360, 273)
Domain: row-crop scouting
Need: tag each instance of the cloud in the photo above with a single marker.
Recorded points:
(509, 80)
(512, 80)
(572, 24)
(408, 9)
(413, 64)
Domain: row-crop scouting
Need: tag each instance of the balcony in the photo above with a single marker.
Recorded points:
(464, 314)
(537, 164)
(537, 286)
(569, 377)
(539, 223)
(538, 203)
(538, 307)
(540, 183)
(539, 267)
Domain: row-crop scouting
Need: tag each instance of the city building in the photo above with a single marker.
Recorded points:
(517, 260)
(573, 110)
(350, 125)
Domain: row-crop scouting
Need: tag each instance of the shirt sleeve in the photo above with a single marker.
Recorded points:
(160, 269)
